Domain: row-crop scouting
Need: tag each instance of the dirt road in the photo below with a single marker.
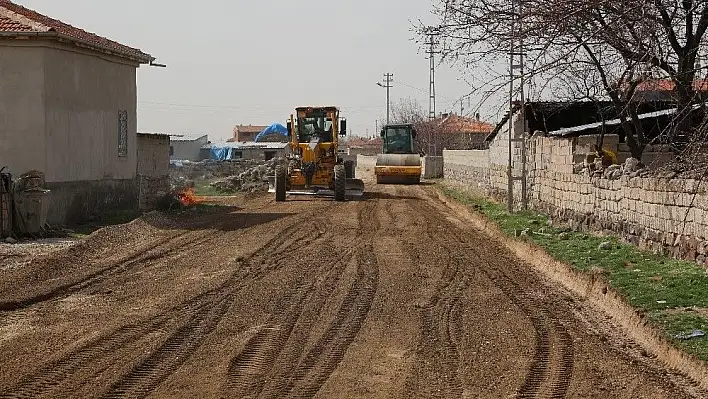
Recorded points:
(392, 296)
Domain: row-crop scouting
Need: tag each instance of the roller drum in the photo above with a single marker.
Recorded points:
(398, 160)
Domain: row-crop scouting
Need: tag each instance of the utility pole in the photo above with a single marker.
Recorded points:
(462, 104)
(388, 78)
(516, 62)
(432, 33)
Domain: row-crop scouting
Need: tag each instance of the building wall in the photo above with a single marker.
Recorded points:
(188, 150)
(153, 169)
(84, 94)
(153, 155)
(60, 110)
(658, 214)
(22, 144)
(258, 154)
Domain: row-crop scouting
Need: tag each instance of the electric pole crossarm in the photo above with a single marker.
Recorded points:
(388, 78)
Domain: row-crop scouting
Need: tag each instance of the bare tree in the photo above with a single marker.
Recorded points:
(432, 137)
(407, 110)
(624, 43)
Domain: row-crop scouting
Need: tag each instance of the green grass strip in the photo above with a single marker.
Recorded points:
(673, 294)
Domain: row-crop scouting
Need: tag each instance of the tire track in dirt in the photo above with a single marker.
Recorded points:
(248, 371)
(326, 354)
(441, 326)
(200, 315)
(156, 250)
(150, 373)
(269, 365)
(65, 289)
(551, 370)
(323, 358)
(438, 348)
(552, 367)
(263, 352)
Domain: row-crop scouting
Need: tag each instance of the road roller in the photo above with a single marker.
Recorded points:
(399, 162)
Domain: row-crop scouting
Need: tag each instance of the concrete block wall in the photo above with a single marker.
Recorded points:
(432, 167)
(669, 216)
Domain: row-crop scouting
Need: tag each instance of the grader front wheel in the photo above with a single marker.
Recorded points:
(280, 177)
(340, 182)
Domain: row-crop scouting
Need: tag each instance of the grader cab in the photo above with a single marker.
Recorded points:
(314, 165)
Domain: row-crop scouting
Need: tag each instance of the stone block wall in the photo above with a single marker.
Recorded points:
(669, 216)
(151, 190)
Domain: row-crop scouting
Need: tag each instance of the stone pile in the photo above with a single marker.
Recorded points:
(209, 170)
(632, 167)
(252, 179)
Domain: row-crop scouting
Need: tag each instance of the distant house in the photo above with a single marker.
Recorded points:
(362, 146)
(69, 101)
(186, 147)
(665, 90)
(464, 132)
(246, 133)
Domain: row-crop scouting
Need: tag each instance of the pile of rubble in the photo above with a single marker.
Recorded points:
(252, 179)
(632, 167)
(186, 172)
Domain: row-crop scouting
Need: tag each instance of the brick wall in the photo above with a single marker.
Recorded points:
(658, 214)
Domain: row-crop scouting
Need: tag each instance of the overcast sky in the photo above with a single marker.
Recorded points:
(252, 62)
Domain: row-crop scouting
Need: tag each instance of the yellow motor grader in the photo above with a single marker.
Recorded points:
(313, 165)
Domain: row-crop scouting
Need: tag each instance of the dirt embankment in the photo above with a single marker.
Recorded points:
(391, 296)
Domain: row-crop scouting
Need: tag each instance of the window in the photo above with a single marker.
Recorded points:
(122, 133)
(269, 155)
(237, 155)
(172, 150)
(314, 125)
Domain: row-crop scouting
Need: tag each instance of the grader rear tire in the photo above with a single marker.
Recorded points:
(340, 183)
(349, 167)
(280, 177)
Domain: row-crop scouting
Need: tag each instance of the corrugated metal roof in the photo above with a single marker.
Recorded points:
(156, 135)
(249, 145)
(187, 136)
(569, 131)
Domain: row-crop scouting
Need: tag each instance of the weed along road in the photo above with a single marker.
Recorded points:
(395, 295)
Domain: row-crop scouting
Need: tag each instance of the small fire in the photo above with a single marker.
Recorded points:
(188, 197)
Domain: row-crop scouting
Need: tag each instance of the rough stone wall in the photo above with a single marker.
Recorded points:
(152, 189)
(153, 176)
(76, 202)
(662, 215)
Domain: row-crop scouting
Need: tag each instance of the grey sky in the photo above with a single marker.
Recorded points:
(240, 62)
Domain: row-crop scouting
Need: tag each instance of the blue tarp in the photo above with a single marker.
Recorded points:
(275, 128)
(221, 153)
